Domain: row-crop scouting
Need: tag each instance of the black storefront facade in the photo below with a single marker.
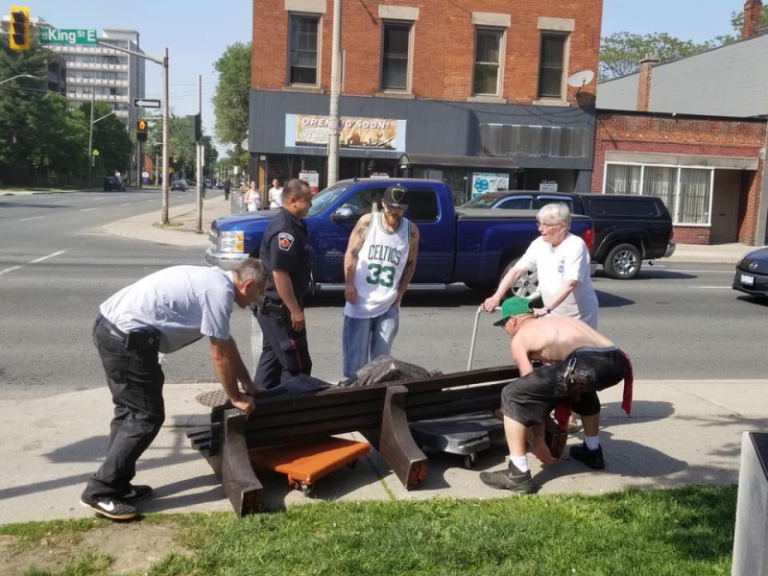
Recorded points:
(475, 147)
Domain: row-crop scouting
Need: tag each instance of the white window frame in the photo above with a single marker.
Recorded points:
(502, 52)
(409, 69)
(679, 168)
(319, 19)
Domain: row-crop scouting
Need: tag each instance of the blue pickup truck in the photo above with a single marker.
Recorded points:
(472, 246)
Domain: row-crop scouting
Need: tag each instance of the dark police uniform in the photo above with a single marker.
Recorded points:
(285, 246)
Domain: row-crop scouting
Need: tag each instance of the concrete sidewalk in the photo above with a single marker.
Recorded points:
(680, 432)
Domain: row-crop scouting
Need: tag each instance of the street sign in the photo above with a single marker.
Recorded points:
(145, 103)
(95, 152)
(76, 36)
(170, 169)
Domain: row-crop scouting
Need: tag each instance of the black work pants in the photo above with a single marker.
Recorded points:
(285, 352)
(135, 380)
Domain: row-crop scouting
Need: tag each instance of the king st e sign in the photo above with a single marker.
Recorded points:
(61, 36)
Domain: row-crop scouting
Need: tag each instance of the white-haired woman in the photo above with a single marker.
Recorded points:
(561, 260)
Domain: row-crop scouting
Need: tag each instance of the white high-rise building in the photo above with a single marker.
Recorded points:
(106, 75)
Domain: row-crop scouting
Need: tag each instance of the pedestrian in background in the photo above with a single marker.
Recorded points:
(275, 195)
(253, 198)
(227, 186)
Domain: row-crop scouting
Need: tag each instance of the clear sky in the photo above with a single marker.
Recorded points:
(197, 32)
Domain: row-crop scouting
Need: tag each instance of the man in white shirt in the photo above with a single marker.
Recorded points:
(276, 195)
(163, 312)
(561, 260)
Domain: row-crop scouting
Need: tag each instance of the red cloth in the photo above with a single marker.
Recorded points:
(629, 380)
(563, 412)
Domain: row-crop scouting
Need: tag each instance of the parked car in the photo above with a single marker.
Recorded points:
(628, 228)
(179, 184)
(475, 247)
(113, 183)
(752, 273)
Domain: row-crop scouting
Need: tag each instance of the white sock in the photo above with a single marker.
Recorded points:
(592, 442)
(520, 462)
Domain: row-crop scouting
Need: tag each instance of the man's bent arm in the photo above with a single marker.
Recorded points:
(352, 255)
(230, 368)
(410, 265)
(284, 288)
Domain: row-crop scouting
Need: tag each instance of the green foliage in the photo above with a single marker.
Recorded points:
(230, 100)
(110, 138)
(181, 144)
(620, 53)
(680, 532)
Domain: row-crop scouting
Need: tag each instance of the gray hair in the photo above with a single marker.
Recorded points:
(557, 213)
(252, 269)
(296, 188)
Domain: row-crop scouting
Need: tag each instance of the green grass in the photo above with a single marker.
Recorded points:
(686, 531)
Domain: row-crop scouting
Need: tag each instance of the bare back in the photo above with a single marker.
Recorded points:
(554, 338)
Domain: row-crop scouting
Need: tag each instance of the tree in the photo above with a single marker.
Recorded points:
(620, 53)
(181, 145)
(110, 138)
(230, 100)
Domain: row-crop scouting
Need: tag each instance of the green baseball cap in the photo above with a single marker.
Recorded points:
(512, 307)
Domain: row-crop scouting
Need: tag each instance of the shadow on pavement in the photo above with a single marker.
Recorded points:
(608, 300)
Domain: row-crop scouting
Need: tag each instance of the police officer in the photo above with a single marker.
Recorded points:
(162, 312)
(286, 253)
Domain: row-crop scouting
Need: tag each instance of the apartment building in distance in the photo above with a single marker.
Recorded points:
(473, 93)
(106, 75)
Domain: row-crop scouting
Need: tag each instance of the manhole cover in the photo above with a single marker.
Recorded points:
(213, 398)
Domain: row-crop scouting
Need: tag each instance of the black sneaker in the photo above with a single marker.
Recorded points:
(592, 458)
(111, 508)
(136, 493)
(509, 479)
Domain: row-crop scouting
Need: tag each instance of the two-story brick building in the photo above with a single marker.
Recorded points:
(473, 92)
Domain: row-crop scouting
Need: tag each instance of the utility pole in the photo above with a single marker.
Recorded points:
(199, 158)
(90, 139)
(166, 112)
(333, 134)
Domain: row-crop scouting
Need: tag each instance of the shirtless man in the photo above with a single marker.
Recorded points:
(579, 363)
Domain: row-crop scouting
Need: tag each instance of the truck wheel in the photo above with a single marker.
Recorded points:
(527, 286)
(623, 262)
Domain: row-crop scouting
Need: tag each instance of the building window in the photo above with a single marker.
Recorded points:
(303, 50)
(552, 65)
(394, 56)
(686, 192)
(487, 69)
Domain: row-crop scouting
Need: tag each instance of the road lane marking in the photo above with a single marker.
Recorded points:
(11, 269)
(88, 209)
(712, 287)
(59, 253)
(125, 204)
(33, 218)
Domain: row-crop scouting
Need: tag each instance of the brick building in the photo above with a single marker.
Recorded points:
(693, 131)
(706, 169)
(472, 92)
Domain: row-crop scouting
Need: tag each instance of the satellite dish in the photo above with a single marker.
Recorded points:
(581, 79)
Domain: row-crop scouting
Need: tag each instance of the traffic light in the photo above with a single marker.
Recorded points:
(19, 28)
(175, 159)
(197, 127)
(141, 130)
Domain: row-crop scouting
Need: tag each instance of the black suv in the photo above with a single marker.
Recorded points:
(628, 228)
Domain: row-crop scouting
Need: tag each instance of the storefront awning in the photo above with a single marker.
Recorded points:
(408, 160)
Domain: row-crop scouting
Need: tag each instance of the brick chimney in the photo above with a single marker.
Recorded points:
(752, 9)
(644, 83)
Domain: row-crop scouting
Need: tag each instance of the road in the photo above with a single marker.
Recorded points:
(677, 321)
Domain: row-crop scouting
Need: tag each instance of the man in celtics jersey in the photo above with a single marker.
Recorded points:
(378, 265)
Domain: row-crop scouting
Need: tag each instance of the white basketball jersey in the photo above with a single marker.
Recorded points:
(380, 266)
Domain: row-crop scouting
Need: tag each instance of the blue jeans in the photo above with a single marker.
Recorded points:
(367, 338)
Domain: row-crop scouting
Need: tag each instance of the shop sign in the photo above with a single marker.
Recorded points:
(311, 178)
(355, 132)
(548, 186)
(483, 182)
(379, 175)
